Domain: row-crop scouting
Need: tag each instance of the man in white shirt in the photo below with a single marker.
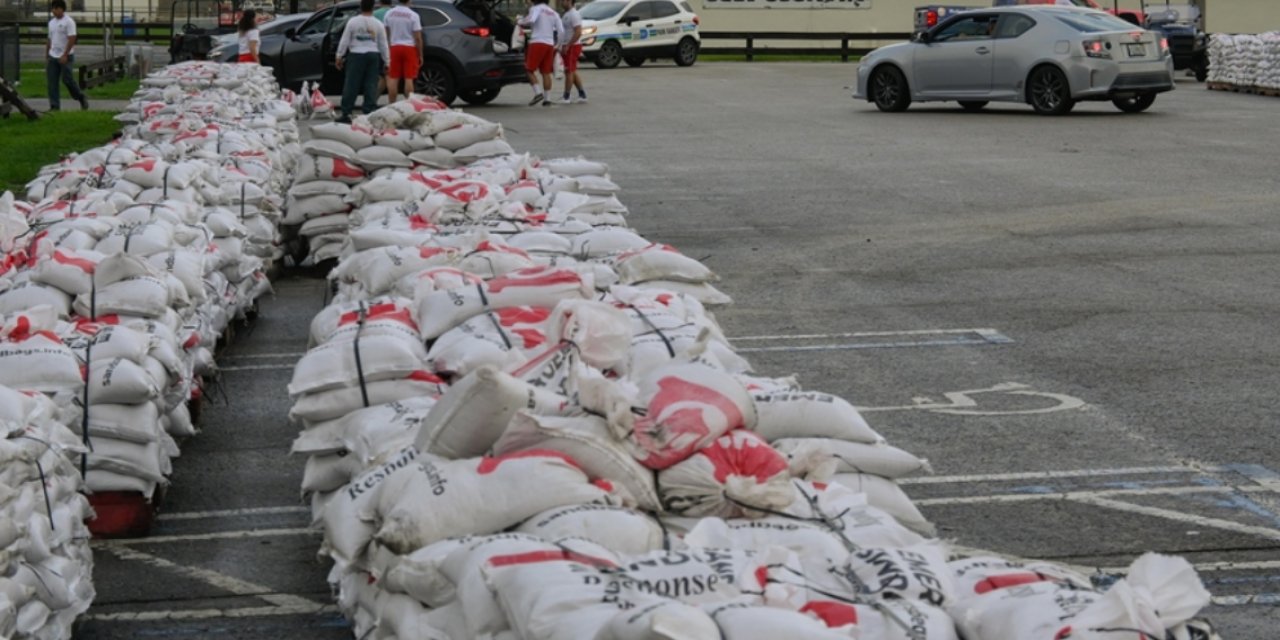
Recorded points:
(404, 30)
(59, 55)
(363, 50)
(540, 48)
(571, 49)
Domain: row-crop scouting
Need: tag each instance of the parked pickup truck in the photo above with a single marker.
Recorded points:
(930, 15)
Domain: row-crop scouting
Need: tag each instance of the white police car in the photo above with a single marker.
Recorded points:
(639, 30)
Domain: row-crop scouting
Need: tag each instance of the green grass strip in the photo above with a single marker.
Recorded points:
(34, 85)
(27, 145)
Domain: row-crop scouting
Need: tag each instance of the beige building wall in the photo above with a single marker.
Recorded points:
(1221, 16)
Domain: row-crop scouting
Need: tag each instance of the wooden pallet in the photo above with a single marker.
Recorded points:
(1237, 88)
(1267, 91)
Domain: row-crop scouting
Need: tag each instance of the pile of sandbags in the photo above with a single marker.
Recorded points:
(417, 132)
(137, 255)
(46, 565)
(522, 420)
(1245, 60)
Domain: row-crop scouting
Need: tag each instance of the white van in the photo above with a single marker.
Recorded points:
(639, 30)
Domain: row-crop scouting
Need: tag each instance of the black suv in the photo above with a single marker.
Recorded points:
(458, 61)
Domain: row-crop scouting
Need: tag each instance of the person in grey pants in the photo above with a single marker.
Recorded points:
(59, 55)
(363, 56)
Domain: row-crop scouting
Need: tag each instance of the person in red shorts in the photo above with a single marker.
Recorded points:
(539, 54)
(248, 38)
(404, 32)
(571, 49)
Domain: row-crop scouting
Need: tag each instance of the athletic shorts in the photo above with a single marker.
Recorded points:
(404, 62)
(539, 56)
(245, 57)
(571, 55)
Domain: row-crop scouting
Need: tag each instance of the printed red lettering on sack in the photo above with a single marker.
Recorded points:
(834, 614)
(343, 170)
(680, 410)
(1009, 580)
(550, 555)
(742, 453)
(510, 316)
(762, 575)
(534, 277)
(432, 183)
(431, 252)
(500, 248)
(419, 223)
(146, 165)
(530, 337)
(384, 311)
(466, 192)
(490, 464)
(425, 376)
(81, 263)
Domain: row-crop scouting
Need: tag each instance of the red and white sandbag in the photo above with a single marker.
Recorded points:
(685, 407)
(475, 411)
(439, 311)
(737, 475)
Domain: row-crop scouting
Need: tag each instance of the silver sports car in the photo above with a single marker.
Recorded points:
(1047, 56)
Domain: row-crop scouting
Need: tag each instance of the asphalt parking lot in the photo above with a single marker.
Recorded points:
(1073, 318)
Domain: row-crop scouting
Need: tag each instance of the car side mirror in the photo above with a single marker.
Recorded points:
(630, 20)
(291, 33)
(922, 37)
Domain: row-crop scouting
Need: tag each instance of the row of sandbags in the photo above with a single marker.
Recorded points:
(1245, 60)
(339, 156)
(46, 565)
(522, 420)
(119, 272)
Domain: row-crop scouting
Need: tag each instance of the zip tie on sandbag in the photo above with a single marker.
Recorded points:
(243, 187)
(164, 180)
(355, 343)
(493, 317)
(484, 299)
(48, 504)
(88, 375)
(666, 533)
(671, 351)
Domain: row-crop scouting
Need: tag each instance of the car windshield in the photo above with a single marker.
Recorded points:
(280, 25)
(601, 10)
(1172, 13)
(1094, 22)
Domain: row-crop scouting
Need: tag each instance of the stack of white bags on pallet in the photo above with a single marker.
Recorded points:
(1245, 60)
(522, 421)
(135, 256)
(46, 566)
(340, 156)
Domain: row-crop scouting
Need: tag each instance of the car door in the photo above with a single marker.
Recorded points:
(956, 58)
(665, 31)
(1015, 50)
(635, 25)
(298, 59)
(332, 80)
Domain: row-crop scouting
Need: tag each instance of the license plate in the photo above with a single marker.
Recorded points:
(1136, 49)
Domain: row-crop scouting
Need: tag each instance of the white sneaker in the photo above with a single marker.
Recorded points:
(580, 99)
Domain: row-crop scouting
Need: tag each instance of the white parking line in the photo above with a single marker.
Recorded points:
(231, 513)
(221, 581)
(206, 614)
(1047, 475)
(258, 367)
(220, 535)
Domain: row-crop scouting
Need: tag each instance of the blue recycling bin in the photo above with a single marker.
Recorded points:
(129, 29)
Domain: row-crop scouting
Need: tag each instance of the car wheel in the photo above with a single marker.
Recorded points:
(1135, 104)
(610, 55)
(889, 89)
(687, 52)
(435, 79)
(1048, 91)
(973, 105)
(480, 96)
(634, 61)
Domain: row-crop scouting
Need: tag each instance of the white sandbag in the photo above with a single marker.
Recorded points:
(311, 168)
(154, 173)
(917, 573)
(403, 140)
(308, 207)
(600, 332)
(68, 270)
(328, 148)
(439, 311)
(738, 474)
(378, 316)
(32, 357)
(660, 262)
(504, 339)
(143, 296)
(854, 521)
(807, 539)
(435, 157)
(335, 403)
(378, 157)
(353, 135)
(738, 621)
(350, 363)
(467, 134)
(810, 414)
(138, 423)
(608, 241)
(349, 515)
(853, 457)
(661, 620)
(318, 188)
(475, 411)
(30, 294)
(481, 150)
(377, 270)
(703, 292)
(335, 223)
(441, 499)
(886, 495)
(618, 529)
(587, 441)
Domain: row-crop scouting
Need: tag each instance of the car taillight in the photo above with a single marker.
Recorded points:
(1095, 49)
(479, 32)
(931, 18)
(1164, 46)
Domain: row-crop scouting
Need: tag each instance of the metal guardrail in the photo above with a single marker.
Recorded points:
(850, 43)
(10, 54)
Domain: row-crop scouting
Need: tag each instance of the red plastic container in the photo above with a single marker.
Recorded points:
(121, 514)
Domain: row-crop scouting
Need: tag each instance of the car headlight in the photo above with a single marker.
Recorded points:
(588, 31)
(588, 42)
